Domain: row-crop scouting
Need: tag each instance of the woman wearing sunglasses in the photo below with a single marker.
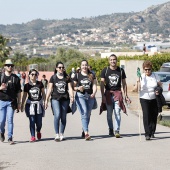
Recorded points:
(34, 107)
(148, 83)
(85, 85)
(59, 88)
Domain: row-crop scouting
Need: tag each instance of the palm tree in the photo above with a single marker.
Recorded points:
(4, 49)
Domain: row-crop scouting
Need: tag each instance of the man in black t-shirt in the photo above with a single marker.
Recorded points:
(10, 95)
(111, 79)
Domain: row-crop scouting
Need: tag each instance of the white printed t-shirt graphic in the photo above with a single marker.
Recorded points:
(34, 91)
(61, 85)
(113, 79)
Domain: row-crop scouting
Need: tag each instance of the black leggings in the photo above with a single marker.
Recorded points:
(150, 113)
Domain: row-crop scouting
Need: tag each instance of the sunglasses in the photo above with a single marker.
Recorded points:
(33, 74)
(61, 67)
(9, 65)
(147, 69)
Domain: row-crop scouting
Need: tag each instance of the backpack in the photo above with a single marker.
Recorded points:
(13, 79)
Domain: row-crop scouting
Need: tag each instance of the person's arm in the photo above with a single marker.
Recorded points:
(23, 101)
(50, 88)
(94, 88)
(75, 88)
(19, 101)
(102, 83)
(18, 90)
(125, 90)
(80, 88)
(71, 92)
(42, 91)
(124, 87)
(43, 94)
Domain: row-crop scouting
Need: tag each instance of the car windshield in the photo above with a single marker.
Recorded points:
(164, 77)
(166, 65)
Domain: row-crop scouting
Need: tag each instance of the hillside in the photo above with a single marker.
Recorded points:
(154, 19)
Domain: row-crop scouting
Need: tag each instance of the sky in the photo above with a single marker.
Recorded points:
(22, 11)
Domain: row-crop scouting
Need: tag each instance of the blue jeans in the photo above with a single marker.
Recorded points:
(117, 109)
(6, 111)
(84, 105)
(60, 112)
(34, 120)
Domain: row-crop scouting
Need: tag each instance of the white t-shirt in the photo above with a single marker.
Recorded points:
(148, 84)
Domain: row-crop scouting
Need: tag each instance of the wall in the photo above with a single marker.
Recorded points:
(130, 67)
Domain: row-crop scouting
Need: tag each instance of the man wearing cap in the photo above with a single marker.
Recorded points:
(10, 95)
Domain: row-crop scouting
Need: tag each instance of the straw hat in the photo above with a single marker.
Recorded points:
(8, 61)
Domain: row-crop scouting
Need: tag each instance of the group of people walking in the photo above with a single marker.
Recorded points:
(81, 88)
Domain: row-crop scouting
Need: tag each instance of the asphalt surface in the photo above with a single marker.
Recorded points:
(130, 152)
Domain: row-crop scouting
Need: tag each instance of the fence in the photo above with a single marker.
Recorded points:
(39, 67)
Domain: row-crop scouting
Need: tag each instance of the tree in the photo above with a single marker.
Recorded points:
(4, 49)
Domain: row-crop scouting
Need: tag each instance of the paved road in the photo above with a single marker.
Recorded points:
(102, 153)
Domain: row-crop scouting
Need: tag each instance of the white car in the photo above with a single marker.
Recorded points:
(164, 77)
(165, 67)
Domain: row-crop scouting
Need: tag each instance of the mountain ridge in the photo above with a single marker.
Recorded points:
(153, 20)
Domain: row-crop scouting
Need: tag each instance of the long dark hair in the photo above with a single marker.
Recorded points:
(64, 72)
(90, 75)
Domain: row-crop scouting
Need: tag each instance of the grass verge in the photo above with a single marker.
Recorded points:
(164, 122)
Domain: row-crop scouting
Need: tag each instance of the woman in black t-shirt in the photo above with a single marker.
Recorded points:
(59, 85)
(34, 107)
(85, 85)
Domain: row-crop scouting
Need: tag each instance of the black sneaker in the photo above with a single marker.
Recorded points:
(111, 132)
(83, 135)
(2, 137)
(10, 141)
(152, 136)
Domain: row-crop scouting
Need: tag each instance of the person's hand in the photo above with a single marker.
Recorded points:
(71, 99)
(45, 105)
(157, 93)
(103, 99)
(81, 88)
(127, 100)
(92, 95)
(3, 86)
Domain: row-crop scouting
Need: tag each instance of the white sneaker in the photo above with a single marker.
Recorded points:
(61, 137)
(57, 138)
